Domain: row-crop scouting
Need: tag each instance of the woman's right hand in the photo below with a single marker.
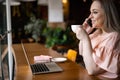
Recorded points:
(86, 26)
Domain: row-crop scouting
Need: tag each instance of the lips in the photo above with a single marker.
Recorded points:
(93, 21)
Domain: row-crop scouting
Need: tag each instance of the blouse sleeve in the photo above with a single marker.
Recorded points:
(106, 54)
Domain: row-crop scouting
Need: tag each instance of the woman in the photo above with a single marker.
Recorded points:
(101, 49)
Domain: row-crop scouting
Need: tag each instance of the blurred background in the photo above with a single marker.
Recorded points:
(61, 13)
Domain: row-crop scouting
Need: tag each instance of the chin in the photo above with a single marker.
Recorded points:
(94, 26)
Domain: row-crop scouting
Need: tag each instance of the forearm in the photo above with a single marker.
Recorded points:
(91, 66)
(86, 47)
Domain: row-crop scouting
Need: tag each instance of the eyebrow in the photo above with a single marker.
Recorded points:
(95, 10)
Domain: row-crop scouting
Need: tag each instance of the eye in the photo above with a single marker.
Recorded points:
(95, 12)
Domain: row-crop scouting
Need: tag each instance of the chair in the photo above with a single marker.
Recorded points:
(5, 64)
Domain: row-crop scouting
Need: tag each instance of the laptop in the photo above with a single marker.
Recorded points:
(40, 68)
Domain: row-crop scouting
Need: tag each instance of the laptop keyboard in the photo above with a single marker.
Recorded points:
(39, 68)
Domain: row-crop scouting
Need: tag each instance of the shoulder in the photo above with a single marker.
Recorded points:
(106, 39)
(112, 43)
(109, 42)
(113, 37)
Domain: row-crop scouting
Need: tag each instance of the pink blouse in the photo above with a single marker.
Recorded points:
(106, 52)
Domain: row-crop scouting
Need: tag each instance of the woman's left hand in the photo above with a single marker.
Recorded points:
(81, 34)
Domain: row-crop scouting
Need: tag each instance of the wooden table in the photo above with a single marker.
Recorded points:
(72, 71)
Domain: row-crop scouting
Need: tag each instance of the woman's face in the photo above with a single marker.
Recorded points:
(97, 15)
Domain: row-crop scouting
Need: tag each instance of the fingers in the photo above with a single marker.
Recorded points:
(79, 33)
(85, 23)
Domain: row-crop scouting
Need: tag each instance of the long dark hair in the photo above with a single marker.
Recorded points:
(112, 18)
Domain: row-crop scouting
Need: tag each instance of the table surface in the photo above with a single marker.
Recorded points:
(71, 70)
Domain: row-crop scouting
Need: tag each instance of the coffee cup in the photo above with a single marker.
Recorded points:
(75, 27)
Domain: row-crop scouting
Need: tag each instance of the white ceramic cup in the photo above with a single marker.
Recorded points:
(75, 27)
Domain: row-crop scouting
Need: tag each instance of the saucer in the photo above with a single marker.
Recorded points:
(59, 59)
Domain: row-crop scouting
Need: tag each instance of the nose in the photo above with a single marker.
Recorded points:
(90, 16)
